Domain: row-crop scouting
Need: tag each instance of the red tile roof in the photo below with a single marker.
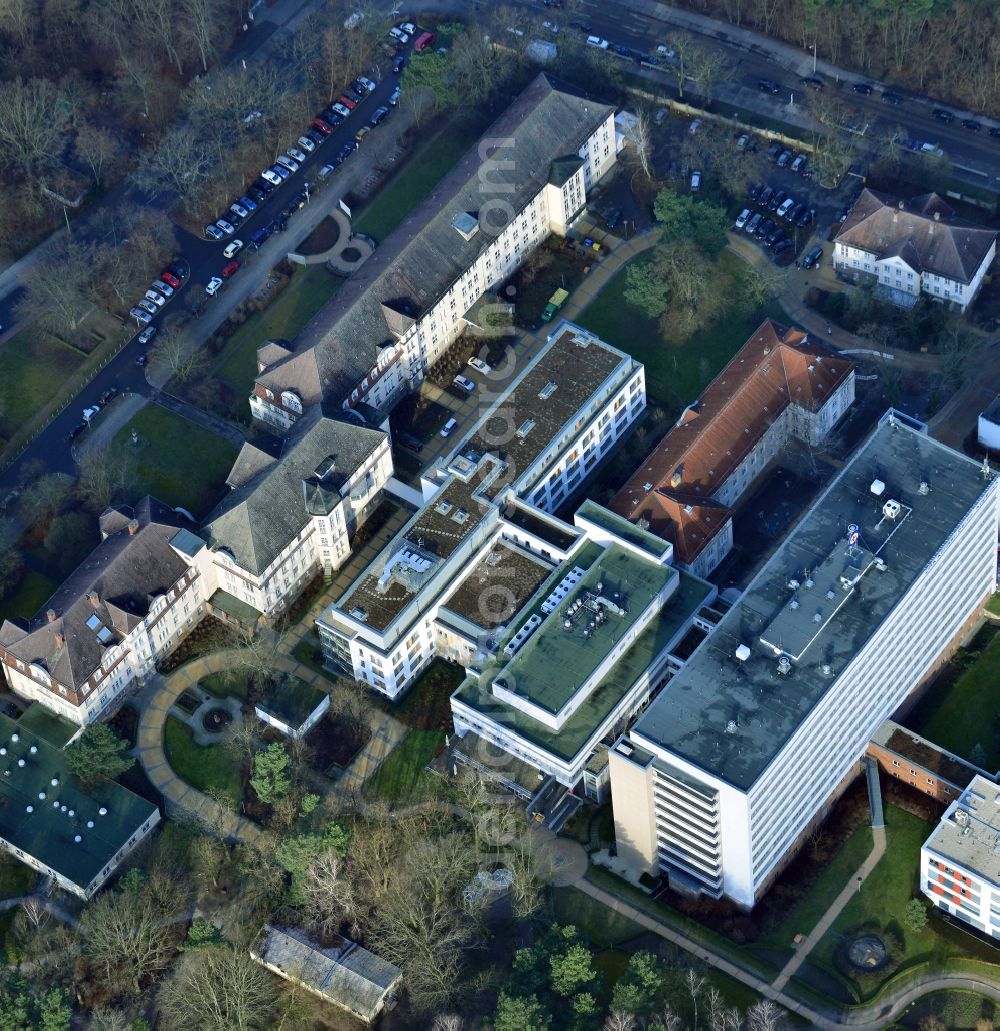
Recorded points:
(775, 367)
(688, 523)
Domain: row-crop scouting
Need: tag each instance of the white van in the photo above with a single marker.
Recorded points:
(448, 427)
(596, 41)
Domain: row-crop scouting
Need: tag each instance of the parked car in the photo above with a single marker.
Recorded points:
(281, 172)
(248, 203)
(863, 88)
(109, 395)
(743, 142)
(380, 115)
(892, 98)
(777, 200)
(213, 287)
(313, 137)
(995, 130)
(596, 41)
(325, 172)
(345, 101)
(795, 212)
(799, 163)
(140, 359)
(238, 209)
(768, 86)
(158, 300)
(362, 133)
(306, 144)
(753, 191)
(782, 247)
(774, 150)
(147, 306)
(409, 441)
(408, 26)
(448, 427)
(785, 207)
(398, 65)
(972, 125)
(777, 233)
(464, 383)
(741, 218)
(814, 82)
(751, 226)
(394, 97)
(231, 248)
(340, 109)
(943, 115)
(479, 365)
(258, 236)
(399, 35)
(169, 278)
(147, 334)
(213, 232)
(695, 181)
(296, 155)
(90, 412)
(164, 288)
(694, 126)
(77, 429)
(227, 227)
(813, 257)
(323, 126)
(765, 195)
(764, 228)
(366, 84)
(230, 269)
(141, 316)
(806, 218)
(286, 162)
(783, 158)
(261, 190)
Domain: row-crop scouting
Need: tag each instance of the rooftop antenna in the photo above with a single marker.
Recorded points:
(892, 418)
(986, 468)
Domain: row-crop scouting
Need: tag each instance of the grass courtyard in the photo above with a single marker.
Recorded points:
(35, 366)
(28, 597)
(961, 709)
(177, 461)
(225, 685)
(678, 366)
(310, 288)
(402, 777)
(880, 905)
(208, 769)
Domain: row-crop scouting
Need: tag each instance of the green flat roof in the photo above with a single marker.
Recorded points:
(630, 533)
(554, 663)
(39, 720)
(567, 742)
(241, 611)
(291, 700)
(47, 833)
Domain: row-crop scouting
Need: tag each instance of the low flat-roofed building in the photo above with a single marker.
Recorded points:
(77, 834)
(745, 747)
(583, 657)
(291, 706)
(526, 454)
(781, 385)
(906, 756)
(345, 974)
(960, 861)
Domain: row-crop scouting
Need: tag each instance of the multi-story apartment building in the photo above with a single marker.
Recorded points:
(129, 602)
(292, 514)
(923, 765)
(748, 745)
(535, 443)
(915, 247)
(581, 658)
(529, 176)
(960, 861)
(75, 834)
(781, 385)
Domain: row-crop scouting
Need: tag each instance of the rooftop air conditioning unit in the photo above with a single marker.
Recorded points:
(891, 509)
(877, 488)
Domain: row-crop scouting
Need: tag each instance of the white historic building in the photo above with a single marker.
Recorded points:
(534, 444)
(528, 177)
(717, 782)
(909, 248)
(960, 861)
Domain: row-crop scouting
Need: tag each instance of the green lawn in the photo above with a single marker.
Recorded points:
(677, 368)
(423, 168)
(602, 926)
(34, 366)
(16, 879)
(178, 461)
(993, 605)
(957, 1010)
(223, 685)
(427, 704)
(203, 768)
(882, 901)
(28, 596)
(965, 712)
(402, 778)
(803, 917)
(310, 288)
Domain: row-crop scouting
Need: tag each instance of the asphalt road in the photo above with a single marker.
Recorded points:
(204, 259)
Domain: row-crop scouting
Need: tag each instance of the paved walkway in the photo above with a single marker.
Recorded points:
(334, 255)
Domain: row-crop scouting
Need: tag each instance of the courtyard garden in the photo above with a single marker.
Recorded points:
(960, 710)
(177, 461)
(212, 769)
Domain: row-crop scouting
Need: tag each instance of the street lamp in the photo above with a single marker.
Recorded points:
(860, 880)
(812, 47)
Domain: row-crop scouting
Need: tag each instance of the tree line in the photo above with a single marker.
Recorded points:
(947, 48)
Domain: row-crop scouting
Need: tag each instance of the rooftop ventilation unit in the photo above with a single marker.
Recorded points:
(891, 509)
(466, 225)
(924, 488)
(548, 390)
(731, 727)
(784, 665)
(877, 488)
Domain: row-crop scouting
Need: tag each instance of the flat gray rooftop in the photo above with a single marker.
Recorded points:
(693, 715)
(971, 834)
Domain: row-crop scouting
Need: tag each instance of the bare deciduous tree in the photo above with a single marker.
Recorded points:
(56, 291)
(330, 896)
(178, 355)
(32, 130)
(765, 1016)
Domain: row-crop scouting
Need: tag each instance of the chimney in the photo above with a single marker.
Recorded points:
(675, 480)
(94, 598)
(901, 205)
(60, 640)
(133, 527)
(937, 216)
(51, 614)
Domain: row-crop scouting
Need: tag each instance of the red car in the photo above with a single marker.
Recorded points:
(170, 280)
(228, 271)
(320, 126)
(347, 102)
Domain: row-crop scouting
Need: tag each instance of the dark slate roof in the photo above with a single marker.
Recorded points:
(126, 572)
(424, 255)
(258, 519)
(923, 231)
